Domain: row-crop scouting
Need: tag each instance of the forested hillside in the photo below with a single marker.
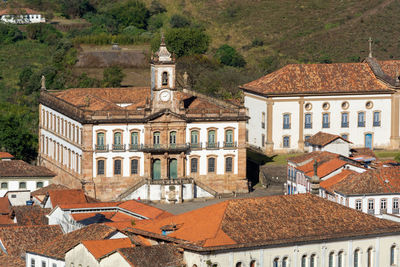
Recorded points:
(220, 43)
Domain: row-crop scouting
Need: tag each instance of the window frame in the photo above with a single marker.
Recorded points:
(326, 125)
(376, 123)
(309, 124)
(1, 185)
(39, 182)
(121, 166)
(358, 201)
(232, 141)
(214, 169)
(361, 119)
(104, 166)
(194, 158)
(131, 160)
(286, 123)
(286, 137)
(232, 157)
(344, 123)
(20, 185)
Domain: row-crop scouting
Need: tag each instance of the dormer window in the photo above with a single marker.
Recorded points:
(165, 78)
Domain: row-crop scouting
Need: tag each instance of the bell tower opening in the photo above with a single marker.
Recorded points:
(164, 78)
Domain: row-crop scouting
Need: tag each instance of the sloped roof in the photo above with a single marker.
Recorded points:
(6, 155)
(19, 168)
(11, 261)
(4, 205)
(267, 220)
(322, 156)
(18, 11)
(31, 215)
(319, 79)
(154, 256)
(373, 181)
(44, 190)
(328, 183)
(322, 139)
(99, 248)
(67, 196)
(57, 247)
(143, 209)
(85, 215)
(18, 239)
(323, 169)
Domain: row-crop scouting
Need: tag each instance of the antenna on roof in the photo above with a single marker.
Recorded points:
(370, 47)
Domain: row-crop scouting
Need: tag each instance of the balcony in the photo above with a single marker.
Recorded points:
(361, 124)
(371, 211)
(195, 146)
(383, 211)
(118, 147)
(134, 147)
(161, 148)
(377, 123)
(101, 148)
(326, 125)
(308, 125)
(345, 124)
(212, 145)
(395, 210)
(286, 126)
(230, 144)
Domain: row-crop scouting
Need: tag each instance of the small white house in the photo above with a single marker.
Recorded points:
(329, 142)
(21, 16)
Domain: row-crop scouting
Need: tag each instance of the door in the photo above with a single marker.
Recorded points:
(368, 141)
(156, 174)
(173, 169)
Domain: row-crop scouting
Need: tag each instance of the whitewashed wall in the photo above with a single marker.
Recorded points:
(255, 107)
(31, 184)
(23, 19)
(50, 262)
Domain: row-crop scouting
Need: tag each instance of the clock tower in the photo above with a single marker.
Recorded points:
(163, 80)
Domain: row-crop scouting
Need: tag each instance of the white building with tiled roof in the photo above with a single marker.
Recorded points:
(21, 16)
(357, 101)
(157, 143)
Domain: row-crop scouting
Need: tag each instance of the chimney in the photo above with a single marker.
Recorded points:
(315, 180)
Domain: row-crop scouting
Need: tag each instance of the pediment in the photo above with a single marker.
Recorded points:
(166, 116)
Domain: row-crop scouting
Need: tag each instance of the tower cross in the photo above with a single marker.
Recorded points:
(370, 47)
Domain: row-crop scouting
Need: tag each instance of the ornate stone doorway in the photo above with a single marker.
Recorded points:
(173, 169)
(156, 170)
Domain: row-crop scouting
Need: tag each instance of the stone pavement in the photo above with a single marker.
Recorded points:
(276, 189)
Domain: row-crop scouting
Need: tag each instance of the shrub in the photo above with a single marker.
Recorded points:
(155, 22)
(112, 77)
(9, 34)
(187, 41)
(227, 55)
(178, 21)
(156, 7)
(130, 13)
(76, 8)
(44, 33)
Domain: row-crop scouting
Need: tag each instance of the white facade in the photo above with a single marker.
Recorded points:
(35, 260)
(22, 184)
(316, 106)
(377, 248)
(18, 198)
(337, 146)
(22, 19)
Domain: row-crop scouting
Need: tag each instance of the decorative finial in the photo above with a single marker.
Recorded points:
(315, 167)
(43, 83)
(162, 39)
(185, 79)
(370, 47)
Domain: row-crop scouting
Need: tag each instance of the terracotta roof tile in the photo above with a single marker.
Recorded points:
(67, 196)
(46, 189)
(268, 220)
(322, 156)
(153, 256)
(17, 11)
(17, 239)
(121, 217)
(19, 168)
(11, 261)
(362, 151)
(6, 155)
(143, 209)
(318, 79)
(57, 247)
(328, 183)
(6, 220)
(85, 215)
(31, 215)
(99, 248)
(322, 139)
(373, 181)
(4, 205)
(323, 169)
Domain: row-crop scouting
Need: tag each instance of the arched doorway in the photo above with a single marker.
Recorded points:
(156, 170)
(173, 169)
(368, 141)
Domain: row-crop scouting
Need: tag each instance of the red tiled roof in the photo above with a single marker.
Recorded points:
(99, 248)
(46, 189)
(143, 209)
(17, 239)
(121, 225)
(88, 205)
(122, 217)
(67, 196)
(324, 168)
(4, 205)
(57, 247)
(31, 215)
(328, 183)
(6, 220)
(318, 79)
(11, 261)
(267, 221)
(322, 156)
(17, 11)
(322, 139)
(84, 215)
(373, 181)
(6, 155)
(19, 168)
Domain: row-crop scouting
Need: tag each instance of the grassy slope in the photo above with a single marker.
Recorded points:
(299, 31)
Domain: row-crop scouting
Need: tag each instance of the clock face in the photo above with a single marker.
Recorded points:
(165, 95)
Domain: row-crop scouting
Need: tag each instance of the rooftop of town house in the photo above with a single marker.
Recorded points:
(19, 168)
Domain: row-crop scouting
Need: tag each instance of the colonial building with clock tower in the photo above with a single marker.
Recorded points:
(159, 143)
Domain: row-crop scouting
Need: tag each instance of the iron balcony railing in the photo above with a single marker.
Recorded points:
(164, 147)
(383, 211)
(345, 124)
(377, 123)
(395, 210)
(134, 147)
(308, 125)
(325, 125)
(212, 145)
(286, 126)
(371, 211)
(101, 148)
(118, 147)
(195, 145)
(361, 124)
(230, 144)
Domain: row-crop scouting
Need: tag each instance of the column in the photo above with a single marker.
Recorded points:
(394, 127)
(301, 124)
(270, 143)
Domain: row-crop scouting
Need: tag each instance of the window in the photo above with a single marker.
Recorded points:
(263, 140)
(33, 263)
(4, 185)
(325, 120)
(345, 120)
(239, 264)
(54, 265)
(331, 259)
(377, 119)
(100, 141)
(165, 78)
(253, 263)
(345, 136)
(392, 257)
(194, 138)
(369, 105)
(286, 121)
(229, 138)
(134, 140)
(369, 257)
(356, 252)
(325, 106)
(361, 119)
(358, 204)
(193, 165)
(276, 262)
(307, 121)
(172, 138)
(228, 164)
(285, 262)
(117, 167)
(100, 167)
(22, 185)
(118, 140)
(345, 105)
(306, 143)
(43, 264)
(134, 166)
(156, 138)
(395, 205)
(211, 164)
(39, 184)
(211, 139)
(286, 141)
(383, 205)
(263, 120)
(303, 261)
(312, 260)
(371, 206)
(340, 259)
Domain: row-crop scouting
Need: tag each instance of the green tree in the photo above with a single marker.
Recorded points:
(76, 8)
(44, 33)
(112, 76)
(397, 157)
(156, 8)
(9, 34)
(227, 55)
(187, 41)
(129, 13)
(179, 21)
